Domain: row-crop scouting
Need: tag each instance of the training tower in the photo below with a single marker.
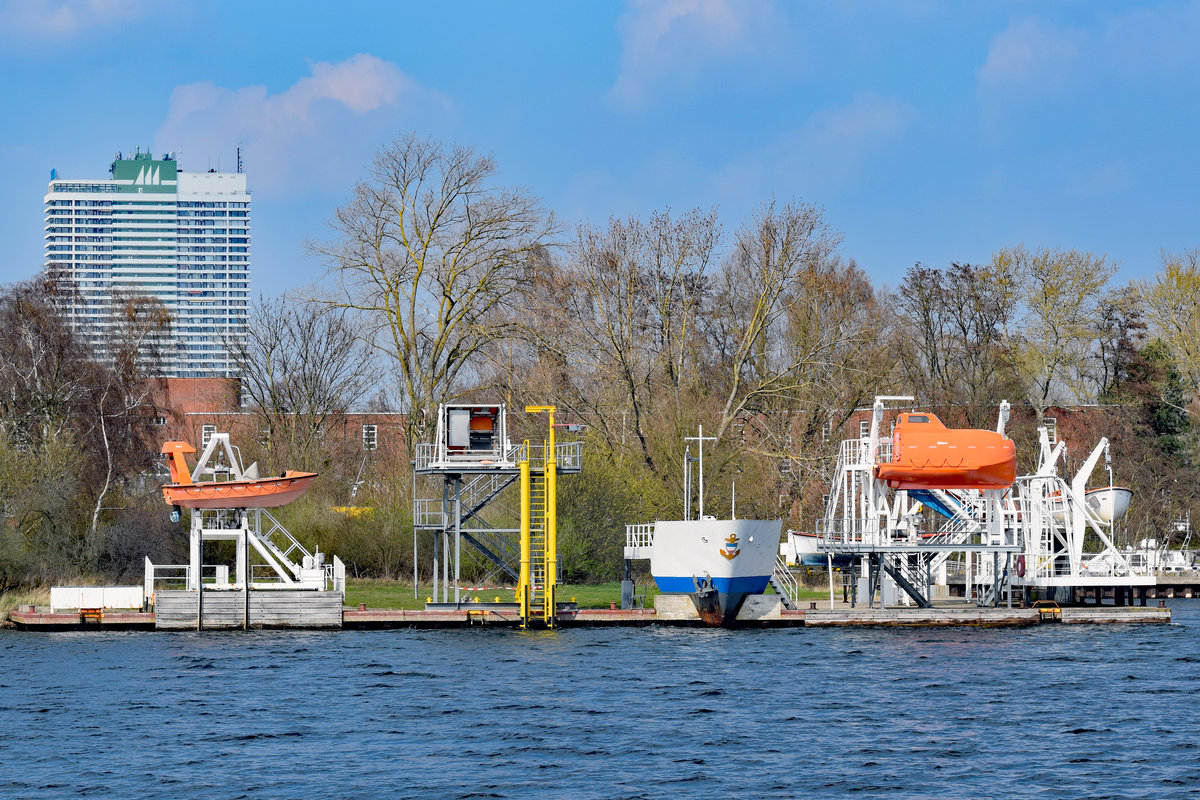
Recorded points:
(465, 484)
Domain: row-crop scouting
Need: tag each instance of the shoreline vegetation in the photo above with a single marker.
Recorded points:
(638, 329)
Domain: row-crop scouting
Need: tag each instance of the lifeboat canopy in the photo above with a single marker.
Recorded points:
(928, 455)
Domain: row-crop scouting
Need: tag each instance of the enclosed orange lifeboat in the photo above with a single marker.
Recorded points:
(928, 455)
(257, 493)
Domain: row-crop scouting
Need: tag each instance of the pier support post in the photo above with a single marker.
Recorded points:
(829, 561)
(457, 536)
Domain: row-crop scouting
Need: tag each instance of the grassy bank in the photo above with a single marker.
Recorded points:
(26, 597)
(396, 594)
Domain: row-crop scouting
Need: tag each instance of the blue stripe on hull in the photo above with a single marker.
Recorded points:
(753, 584)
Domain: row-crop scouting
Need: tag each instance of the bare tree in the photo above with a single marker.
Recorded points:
(1059, 292)
(1172, 301)
(948, 333)
(754, 295)
(122, 400)
(429, 251)
(43, 364)
(302, 366)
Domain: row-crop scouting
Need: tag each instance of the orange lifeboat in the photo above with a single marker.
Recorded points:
(928, 455)
(246, 493)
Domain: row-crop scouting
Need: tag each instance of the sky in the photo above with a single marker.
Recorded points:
(932, 132)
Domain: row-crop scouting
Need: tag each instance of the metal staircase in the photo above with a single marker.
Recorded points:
(278, 540)
(910, 571)
(475, 495)
(785, 584)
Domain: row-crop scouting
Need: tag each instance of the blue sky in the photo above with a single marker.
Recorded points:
(929, 131)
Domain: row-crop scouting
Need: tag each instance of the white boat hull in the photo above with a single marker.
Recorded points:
(725, 558)
(1110, 504)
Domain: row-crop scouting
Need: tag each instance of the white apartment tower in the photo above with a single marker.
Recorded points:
(153, 229)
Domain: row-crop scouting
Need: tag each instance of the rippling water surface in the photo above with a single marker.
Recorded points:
(1050, 711)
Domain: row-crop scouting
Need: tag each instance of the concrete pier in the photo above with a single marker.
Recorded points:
(760, 611)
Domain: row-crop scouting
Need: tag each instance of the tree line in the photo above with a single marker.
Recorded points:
(443, 284)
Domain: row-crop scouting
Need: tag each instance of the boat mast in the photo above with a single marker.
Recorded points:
(701, 439)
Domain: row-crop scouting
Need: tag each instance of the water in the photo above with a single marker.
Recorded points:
(1050, 711)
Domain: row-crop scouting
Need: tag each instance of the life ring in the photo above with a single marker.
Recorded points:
(1021, 566)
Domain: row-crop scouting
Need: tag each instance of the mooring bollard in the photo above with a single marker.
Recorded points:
(362, 606)
(812, 605)
(1162, 603)
(612, 606)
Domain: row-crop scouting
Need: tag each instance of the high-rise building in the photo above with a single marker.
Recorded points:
(153, 229)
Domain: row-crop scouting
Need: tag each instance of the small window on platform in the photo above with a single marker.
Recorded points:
(370, 437)
(1051, 428)
(864, 428)
(206, 434)
(918, 418)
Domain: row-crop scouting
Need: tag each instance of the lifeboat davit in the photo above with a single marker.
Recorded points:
(246, 493)
(928, 455)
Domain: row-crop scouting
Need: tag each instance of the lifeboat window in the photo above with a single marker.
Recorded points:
(918, 418)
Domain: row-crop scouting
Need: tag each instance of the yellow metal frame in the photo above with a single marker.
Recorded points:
(549, 610)
(523, 580)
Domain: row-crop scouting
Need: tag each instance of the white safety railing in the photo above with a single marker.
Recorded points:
(639, 540)
(428, 513)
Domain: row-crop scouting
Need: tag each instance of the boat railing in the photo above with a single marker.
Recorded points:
(639, 540)
(836, 531)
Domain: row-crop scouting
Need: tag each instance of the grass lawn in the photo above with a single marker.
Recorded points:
(397, 594)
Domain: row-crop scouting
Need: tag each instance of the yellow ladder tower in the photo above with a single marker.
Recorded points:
(536, 587)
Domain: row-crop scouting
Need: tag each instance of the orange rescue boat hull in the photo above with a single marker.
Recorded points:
(261, 493)
(928, 455)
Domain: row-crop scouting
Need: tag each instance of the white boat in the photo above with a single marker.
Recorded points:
(716, 561)
(1109, 503)
(801, 549)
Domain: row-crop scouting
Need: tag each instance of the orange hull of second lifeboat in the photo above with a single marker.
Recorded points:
(262, 493)
(928, 455)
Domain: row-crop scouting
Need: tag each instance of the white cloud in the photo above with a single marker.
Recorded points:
(1032, 55)
(1033, 59)
(302, 139)
(67, 18)
(667, 43)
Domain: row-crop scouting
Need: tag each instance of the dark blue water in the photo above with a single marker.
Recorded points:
(1051, 711)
